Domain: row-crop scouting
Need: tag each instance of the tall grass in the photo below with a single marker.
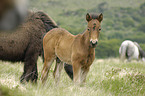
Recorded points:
(107, 77)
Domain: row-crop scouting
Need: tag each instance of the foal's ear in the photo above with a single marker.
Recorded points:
(88, 17)
(100, 17)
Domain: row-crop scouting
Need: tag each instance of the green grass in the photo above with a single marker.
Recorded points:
(107, 77)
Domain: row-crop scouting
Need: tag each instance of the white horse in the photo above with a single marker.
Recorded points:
(131, 50)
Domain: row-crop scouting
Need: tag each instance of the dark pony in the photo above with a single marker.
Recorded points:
(25, 43)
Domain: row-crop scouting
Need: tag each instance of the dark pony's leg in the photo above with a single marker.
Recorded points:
(69, 70)
(34, 76)
(30, 67)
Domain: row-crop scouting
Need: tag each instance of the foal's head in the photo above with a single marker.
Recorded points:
(94, 27)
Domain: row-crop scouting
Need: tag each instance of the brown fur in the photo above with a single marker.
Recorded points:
(76, 50)
(25, 43)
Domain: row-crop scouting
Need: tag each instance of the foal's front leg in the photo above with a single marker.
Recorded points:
(76, 72)
(79, 73)
(84, 72)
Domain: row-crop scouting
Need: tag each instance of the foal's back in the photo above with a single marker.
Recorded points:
(61, 42)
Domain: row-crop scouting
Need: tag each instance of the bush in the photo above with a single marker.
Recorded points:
(142, 8)
(141, 27)
(128, 22)
(140, 37)
(108, 48)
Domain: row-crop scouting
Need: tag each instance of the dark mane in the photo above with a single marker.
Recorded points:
(48, 21)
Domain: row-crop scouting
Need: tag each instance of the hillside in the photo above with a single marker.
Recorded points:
(122, 19)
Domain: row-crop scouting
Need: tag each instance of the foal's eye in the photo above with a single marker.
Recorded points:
(88, 29)
(99, 29)
(37, 18)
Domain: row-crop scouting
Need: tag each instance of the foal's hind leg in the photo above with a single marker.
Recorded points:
(49, 56)
(57, 70)
(47, 64)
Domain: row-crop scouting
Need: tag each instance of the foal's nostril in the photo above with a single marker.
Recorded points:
(94, 42)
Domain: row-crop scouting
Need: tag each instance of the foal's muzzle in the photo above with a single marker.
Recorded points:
(93, 43)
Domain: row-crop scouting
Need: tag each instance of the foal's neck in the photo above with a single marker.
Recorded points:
(86, 40)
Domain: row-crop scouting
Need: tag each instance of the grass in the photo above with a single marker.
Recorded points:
(107, 77)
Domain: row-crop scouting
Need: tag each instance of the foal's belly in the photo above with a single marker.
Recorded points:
(63, 56)
(63, 52)
(63, 48)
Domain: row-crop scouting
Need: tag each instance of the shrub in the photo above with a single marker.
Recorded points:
(108, 48)
(141, 27)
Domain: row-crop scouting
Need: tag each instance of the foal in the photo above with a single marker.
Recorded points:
(76, 50)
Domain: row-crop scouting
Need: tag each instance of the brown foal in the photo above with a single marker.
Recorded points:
(76, 50)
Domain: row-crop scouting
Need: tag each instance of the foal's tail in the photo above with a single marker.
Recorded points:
(122, 52)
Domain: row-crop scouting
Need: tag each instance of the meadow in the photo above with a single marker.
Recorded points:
(107, 77)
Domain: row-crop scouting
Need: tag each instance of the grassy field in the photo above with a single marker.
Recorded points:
(107, 77)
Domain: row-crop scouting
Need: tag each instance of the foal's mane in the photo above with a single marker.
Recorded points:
(93, 16)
